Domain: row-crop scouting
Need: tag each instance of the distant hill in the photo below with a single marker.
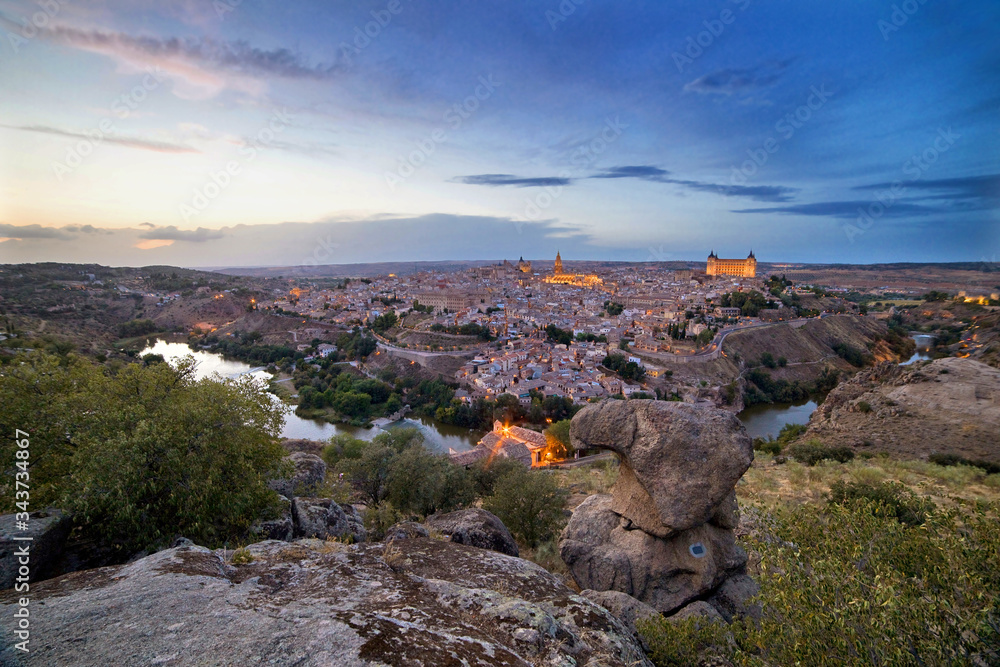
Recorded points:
(369, 270)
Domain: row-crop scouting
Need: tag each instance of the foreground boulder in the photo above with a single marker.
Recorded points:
(625, 608)
(666, 574)
(320, 518)
(48, 531)
(308, 474)
(475, 527)
(278, 528)
(679, 462)
(418, 602)
(664, 535)
(405, 530)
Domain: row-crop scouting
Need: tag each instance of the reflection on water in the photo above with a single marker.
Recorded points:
(438, 437)
(922, 353)
(765, 419)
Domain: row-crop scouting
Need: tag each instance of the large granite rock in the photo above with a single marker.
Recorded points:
(475, 527)
(420, 603)
(733, 598)
(278, 528)
(679, 462)
(624, 607)
(308, 473)
(405, 530)
(355, 523)
(604, 554)
(48, 531)
(320, 518)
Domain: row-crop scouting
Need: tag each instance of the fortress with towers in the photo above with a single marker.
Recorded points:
(744, 268)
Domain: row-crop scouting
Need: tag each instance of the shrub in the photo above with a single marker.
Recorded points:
(421, 483)
(342, 447)
(242, 557)
(901, 503)
(989, 467)
(145, 454)
(692, 641)
(530, 504)
(848, 584)
(864, 406)
(486, 472)
(851, 355)
(812, 452)
(790, 432)
(380, 518)
(767, 446)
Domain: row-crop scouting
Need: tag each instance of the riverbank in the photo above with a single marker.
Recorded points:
(438, 437)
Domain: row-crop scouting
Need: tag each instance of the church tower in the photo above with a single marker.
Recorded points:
(558, 267)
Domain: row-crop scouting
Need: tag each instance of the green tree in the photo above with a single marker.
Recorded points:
(422, 483)
(144, 454)
(369, 473)
(529, 503)
(558, 440)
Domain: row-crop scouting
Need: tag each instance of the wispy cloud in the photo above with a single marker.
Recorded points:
(205, 65)
(645, 172)
(983, 190)
(764, 193)
(515, 181)
(732, 81)
(31, 232)
(843, 209)
(130, 142)
(172, 233)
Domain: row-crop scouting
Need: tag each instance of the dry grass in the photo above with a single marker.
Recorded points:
(769, 483)
(393, 556)
(591, 479)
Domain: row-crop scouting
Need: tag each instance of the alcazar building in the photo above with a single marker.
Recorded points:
(744, 268)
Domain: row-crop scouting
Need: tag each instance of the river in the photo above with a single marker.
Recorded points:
(766, 419)
(438, 437)
(924, 344)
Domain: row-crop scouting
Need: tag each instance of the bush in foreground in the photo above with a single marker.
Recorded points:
(813, 451)
(852, 585)
(530, 503)
(893, 497)
(143, 454)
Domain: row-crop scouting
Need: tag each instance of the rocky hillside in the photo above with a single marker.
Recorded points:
(946, 406)
(415, 601)
(809, 347)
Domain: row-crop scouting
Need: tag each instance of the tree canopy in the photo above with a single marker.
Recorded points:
(143, 453)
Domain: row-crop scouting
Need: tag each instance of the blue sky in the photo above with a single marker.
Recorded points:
(206, 133)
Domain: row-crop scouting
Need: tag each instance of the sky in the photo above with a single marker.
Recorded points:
(209, 133)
